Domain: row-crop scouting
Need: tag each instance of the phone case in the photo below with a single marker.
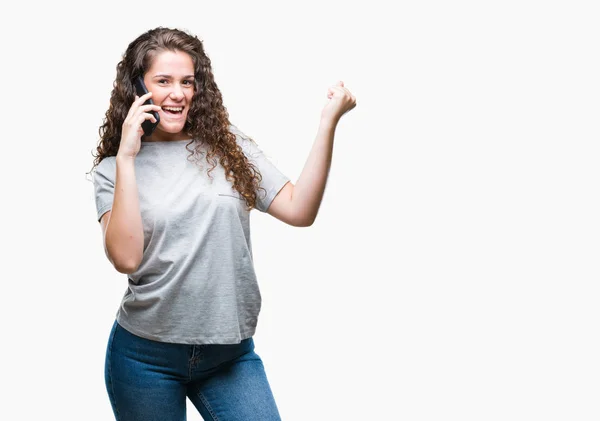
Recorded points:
(140, 89)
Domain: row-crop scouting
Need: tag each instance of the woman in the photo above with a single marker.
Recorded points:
(179, 229)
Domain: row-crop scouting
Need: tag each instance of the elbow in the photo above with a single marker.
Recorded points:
(126, 267)
(293, 215)
(303, 222)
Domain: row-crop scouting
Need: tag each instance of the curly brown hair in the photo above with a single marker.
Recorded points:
(207, 121)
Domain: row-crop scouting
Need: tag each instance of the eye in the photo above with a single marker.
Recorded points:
(188, 82)
(163, 81)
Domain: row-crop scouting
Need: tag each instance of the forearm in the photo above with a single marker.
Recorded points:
(124, 233)
(310, 186)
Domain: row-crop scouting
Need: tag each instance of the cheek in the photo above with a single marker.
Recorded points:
(159, 97)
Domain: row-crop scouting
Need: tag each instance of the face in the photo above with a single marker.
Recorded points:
(171, 81)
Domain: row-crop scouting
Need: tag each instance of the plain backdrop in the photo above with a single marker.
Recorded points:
(452, 272)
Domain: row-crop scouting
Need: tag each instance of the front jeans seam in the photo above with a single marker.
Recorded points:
(207, 405)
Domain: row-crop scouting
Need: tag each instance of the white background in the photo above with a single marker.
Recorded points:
(452, 273)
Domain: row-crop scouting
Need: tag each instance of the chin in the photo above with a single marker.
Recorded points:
(172, 129)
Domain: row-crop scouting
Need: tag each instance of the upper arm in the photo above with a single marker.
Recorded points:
(281, 208)
(104, 222)
(104, 187)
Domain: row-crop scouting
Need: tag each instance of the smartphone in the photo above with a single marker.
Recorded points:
(140, 89)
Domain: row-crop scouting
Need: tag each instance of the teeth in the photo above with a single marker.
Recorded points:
(175, 109)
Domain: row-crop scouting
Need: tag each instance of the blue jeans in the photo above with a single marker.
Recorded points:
(149, 380)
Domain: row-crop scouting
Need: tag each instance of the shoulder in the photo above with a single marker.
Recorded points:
(237, 132)
(107, 163)
(247, 144)
(106, 168)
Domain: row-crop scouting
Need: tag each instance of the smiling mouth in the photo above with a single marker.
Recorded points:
(174, 111)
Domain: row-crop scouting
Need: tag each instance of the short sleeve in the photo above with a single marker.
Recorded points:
(273, 180)
(104, 185)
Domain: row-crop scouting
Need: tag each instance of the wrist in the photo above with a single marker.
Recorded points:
(328, 122)
(124, 158)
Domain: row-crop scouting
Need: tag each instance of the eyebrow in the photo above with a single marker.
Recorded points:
(169, 76)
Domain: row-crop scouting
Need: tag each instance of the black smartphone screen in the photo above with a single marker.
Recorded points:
(140, 89)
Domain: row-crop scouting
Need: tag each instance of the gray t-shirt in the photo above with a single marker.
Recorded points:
(196, 283)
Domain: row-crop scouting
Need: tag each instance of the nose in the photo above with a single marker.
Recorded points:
(177, 93)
